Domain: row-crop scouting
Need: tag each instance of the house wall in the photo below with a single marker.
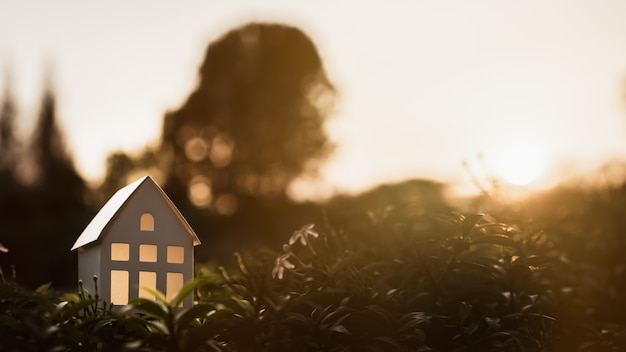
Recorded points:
(168, 231)
(89, 266)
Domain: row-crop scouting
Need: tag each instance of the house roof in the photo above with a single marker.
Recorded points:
(109, 211)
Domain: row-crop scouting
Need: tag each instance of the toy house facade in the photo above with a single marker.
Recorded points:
(138, 239)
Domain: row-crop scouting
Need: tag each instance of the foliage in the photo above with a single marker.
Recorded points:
(259, 84)
(42, 198)
(253, 123)
(174, 329)
(39, 320)
(457, 284)
(395, 281)
(588, 226)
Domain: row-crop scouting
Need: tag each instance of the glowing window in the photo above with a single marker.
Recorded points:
(146, 222)
(174, 284)
(148, 253)
(119, 287)
(147, 279)
(119, 251)
(175, 254)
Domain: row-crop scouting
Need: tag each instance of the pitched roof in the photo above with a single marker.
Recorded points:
(94, 229)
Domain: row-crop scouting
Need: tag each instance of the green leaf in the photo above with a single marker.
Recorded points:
(198, 311)
(160, 327)
(464, 311)
(186, 290)
(500, 240)
(447, 219)
(134, 324)
(386, 317)
(70, 297)
(536, 262)
(157, 294)
(43, 289)
(340, 329)
(496, 227)
(491, 271)
(102, 323)
(469, 223)
(301, 319)
(389, 343)
(70, 310)
(156, 309)
(412, 320)
(506, 334)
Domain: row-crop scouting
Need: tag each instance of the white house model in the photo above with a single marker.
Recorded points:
(138, 239)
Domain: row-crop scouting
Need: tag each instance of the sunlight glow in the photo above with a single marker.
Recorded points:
(519, 164)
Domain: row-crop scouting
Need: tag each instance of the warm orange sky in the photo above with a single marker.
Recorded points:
(423, 85)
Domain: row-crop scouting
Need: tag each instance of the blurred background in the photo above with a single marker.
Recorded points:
(259, 117)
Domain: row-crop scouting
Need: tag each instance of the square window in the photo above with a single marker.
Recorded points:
(175, 282)
(119, 287)
(148, 253)
(175, 254)
(147, 279)
(119, 251)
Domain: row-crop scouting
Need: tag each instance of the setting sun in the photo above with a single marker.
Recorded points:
(519, 164)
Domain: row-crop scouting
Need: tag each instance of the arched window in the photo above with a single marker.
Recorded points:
(147, 222)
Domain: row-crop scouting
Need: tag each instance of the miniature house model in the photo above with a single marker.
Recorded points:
(137, 240)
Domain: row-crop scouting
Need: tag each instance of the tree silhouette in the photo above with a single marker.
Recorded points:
(119, 166)
(12, 192)
(59, 201)
(8, 140)
(41, 218)
(255, 120)
(9, 145)
(52, 161)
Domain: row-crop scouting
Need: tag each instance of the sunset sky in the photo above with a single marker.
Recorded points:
(537, 87)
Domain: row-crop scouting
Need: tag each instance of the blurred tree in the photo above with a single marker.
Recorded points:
(253, 123)
(52, 161)
(59, 201)
(8, 140)
(123, 168)
(42, 218)
(119, 166)
(387, 203)
(11, 191)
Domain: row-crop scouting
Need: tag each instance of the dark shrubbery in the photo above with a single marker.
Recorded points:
(447, 283)
(396, 280)
(454, 283)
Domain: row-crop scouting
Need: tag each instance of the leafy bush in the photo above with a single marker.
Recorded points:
(391, 282)
(458, 283)
(39, 320)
